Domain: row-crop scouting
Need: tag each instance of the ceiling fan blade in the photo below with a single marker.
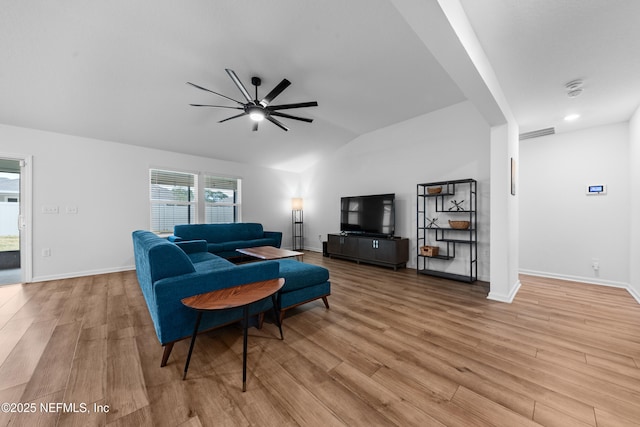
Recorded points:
(302, 119)
(218, 106)
(255, 126)
(287, 106)
(219, 94)
(275, 92)
(238, 83)
(277, 123)
(233, 117)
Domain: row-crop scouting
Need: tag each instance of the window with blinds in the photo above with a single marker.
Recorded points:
(221, 198)
(173, 199)
(176, 198)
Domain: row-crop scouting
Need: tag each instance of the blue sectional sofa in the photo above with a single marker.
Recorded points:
(224, 239)
(168, 272)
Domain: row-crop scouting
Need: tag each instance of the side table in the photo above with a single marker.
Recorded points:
(234, 297)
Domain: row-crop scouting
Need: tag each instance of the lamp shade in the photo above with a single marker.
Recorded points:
(296, 204)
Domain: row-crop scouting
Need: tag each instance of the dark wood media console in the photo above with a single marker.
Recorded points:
(388, 252)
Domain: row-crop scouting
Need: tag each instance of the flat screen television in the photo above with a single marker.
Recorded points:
(369, 215)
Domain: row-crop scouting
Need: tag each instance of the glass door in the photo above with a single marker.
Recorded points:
(10, 222)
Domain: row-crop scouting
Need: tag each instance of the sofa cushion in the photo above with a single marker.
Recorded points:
(200, 257)
(219, 233)
(213, 263)
(215, 248)
(191, 246)
(299, 275)
(240, 244)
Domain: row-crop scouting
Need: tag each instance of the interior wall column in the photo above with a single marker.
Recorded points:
(634, 214)
(504, 214)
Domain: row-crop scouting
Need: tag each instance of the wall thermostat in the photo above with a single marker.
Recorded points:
(596, 189)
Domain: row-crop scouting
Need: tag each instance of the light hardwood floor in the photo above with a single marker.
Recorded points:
(396, 348)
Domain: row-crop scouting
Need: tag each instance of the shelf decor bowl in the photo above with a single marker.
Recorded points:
(459, 225)
(434, 190)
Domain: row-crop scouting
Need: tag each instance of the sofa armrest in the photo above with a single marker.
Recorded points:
(174, 238)
(276, 235)
(192, 246)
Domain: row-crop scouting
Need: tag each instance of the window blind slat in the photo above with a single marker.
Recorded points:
(220, 183)
(161, 177)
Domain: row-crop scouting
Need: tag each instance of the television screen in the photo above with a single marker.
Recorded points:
(373, 215)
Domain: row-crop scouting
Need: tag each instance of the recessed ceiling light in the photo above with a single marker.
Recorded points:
(571, 117)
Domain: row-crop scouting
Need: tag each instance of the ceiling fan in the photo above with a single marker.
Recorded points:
(258, 110)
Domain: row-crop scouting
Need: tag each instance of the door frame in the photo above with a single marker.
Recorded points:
(25, 218)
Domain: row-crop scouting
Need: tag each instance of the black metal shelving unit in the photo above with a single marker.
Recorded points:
(446, 206)
(297, 230)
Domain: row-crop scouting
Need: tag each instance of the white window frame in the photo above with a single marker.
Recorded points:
(199, 203)
(235, 203)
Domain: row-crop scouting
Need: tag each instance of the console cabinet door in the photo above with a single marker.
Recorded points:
(333, 244)
(366, 248)
(387, 251)
(341, 245)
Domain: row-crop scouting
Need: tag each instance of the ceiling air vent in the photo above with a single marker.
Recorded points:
(537, 133)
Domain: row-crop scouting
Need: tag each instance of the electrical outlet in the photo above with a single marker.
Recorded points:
(46, 252)
(320, 237)
(595, 264)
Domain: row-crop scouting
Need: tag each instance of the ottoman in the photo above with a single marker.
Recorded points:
(303, 283)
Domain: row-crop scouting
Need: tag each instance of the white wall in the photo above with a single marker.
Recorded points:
(634, 212)
(452, 143)
(561, 228)
(108, 183)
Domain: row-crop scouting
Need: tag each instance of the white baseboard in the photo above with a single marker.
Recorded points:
(313, 249)
(81, 274)
(588, 280)
(635, 294)
(505, 298)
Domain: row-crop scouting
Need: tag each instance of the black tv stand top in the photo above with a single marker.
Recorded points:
(372, 235)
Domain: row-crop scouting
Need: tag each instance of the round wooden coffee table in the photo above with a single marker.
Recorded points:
(234, 297)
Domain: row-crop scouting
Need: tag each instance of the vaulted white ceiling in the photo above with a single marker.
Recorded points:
(117, 70)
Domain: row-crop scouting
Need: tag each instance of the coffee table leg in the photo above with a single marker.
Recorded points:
(193, 341)
(277, 315)
(244, 348)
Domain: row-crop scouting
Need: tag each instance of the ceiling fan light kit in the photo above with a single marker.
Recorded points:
(258, 110)
(256, 114)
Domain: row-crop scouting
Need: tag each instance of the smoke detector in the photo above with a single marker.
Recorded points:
(573, 93)
(574, 88)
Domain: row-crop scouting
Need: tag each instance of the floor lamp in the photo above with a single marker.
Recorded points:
(296, 223)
